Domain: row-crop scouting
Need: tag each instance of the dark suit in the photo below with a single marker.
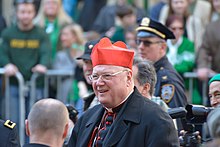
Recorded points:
(8, 135)
(140, 122)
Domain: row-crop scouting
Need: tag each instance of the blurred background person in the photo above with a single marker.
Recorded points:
(125, 19)
(193, 28)
(72, 42)
(130, 39)
(71, 8)
(106, 19)
(44, 127)
(208, 54)
(92, 9)
(52, 18)
(155, 10)
(85, 84)
(215, 11)
(181, 54)
(200, 9)
(26, 49)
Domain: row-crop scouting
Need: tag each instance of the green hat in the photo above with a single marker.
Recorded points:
(214, 78)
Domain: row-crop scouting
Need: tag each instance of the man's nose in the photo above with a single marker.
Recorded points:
(99, 80)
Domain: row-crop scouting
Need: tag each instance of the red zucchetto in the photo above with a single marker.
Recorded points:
(106, 53)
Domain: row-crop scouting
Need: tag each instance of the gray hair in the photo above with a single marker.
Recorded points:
(146, 73)
(213, 121)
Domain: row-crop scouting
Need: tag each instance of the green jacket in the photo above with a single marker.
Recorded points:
(185, 56)
(25, 49)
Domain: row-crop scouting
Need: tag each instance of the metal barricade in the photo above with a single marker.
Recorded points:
(21, 88)
(53, 73)
(191, 76)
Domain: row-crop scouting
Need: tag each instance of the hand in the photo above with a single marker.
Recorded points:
(39, 68)
(10, 69)
(203, 73)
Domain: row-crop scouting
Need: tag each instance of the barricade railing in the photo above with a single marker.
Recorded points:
(31, 85)
(52, 73)
(21, 88)
(191, 76)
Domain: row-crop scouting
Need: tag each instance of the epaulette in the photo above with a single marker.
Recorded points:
(9, 124)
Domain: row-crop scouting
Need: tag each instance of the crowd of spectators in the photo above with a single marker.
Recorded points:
(51, 34)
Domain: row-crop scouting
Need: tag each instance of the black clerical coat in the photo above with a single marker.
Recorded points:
(140, 122)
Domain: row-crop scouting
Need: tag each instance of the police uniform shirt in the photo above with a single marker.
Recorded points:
(8, 134)
(169, 84)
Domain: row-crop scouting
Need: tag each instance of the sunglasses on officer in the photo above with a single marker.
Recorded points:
(147, 43)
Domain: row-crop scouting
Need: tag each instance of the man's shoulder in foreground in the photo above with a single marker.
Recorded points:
(8, 134)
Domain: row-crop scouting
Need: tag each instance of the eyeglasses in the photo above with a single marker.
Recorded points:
(176, 28)
(105, 76)
(147, 43)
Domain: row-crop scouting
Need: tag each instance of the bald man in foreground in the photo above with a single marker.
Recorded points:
(47, 123)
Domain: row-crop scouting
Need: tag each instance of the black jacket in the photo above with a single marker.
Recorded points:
(140, 122)
(8, 135)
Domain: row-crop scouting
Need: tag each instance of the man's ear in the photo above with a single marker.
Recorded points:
(27, 128)
(129, 78)
(146, 89)
(65, 132)
(163, 47)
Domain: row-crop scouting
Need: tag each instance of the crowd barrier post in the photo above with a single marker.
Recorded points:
(21, 89)
(52, 73)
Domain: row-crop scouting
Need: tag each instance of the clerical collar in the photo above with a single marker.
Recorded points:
(118, 107)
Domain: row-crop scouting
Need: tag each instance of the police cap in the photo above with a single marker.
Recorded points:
(151, 28)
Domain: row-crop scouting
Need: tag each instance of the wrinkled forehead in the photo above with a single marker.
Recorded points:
(214, 86)
(107, 68)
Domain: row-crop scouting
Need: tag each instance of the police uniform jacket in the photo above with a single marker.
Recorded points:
(170, 85)
(8, 135)
(140, 122)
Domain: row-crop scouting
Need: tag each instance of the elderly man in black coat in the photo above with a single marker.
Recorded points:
(124, 118)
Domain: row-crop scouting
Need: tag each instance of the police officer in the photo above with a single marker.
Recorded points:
(8, 134)
(151, 41)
